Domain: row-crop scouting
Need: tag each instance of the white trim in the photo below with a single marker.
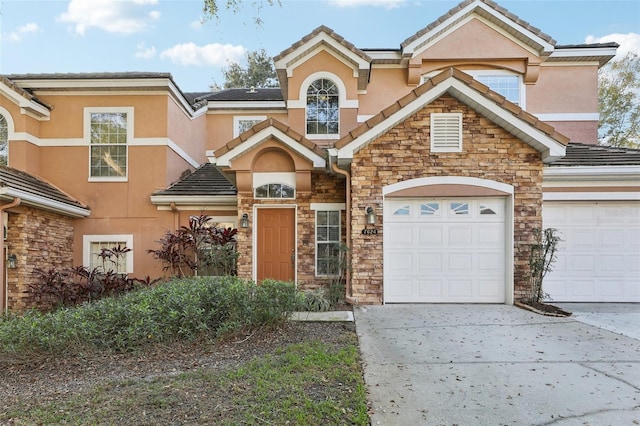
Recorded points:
(316, 242)
(522, 92)
(87, 136)
(256, 139)
(238, 118)
(328, 206)
(301, 102)
(264, 178)
(546, 145)
(115, 238)
(448, 180)
(590, 196)
(182, 153)
(568, 116)
(219, 201)
(591, 172)
(45, 203)
(27, 106)
(225, 106)
(582, 52)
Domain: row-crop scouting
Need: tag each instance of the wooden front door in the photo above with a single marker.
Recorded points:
(276, 249)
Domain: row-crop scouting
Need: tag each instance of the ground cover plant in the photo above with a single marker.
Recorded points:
(192, 351)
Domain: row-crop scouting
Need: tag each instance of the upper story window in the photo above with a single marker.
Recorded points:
(505, 83)
(110, 131)
(4, 140)
(243, 123)
(323, 108)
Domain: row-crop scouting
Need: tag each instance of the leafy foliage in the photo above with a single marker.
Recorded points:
(183, 309)
(198, 249)
(542, 256)
(211, 8)
(619, 102)
(258, 73)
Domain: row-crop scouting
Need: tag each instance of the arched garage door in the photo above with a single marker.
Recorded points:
(599, 257)
(444, 250)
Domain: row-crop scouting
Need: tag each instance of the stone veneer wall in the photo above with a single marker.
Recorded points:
(403, 153)
(325, 188)
(39, 239)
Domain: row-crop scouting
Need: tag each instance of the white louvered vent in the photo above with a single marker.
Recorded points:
(446, 132)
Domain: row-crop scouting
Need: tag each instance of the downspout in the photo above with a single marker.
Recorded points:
(176, 215)
(3, 285)
(348, 297)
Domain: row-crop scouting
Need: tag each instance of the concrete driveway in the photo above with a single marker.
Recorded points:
(494, 365)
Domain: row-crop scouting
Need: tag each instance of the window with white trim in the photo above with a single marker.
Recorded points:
(328, 242)
(275, 190)
(446, 132)
(109, 132)
(108, 252)
(243, 123)
(506, 83)
(323, 108)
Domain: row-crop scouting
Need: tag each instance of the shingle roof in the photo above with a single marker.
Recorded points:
(31, 185)
(206, 180)
(241, 94)
(580, 154)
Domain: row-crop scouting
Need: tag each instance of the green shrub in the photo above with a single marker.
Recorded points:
(187, 309)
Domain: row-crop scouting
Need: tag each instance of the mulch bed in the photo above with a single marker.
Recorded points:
(543, 308)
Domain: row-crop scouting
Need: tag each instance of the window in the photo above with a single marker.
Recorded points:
(4, 140)
(108, 252)
(109, 132)
(323, 109)
(242, 123)
(327, 242)
(402, 211)
(459, 209)
(429, 209)
(275, 190)
(506, 85)
(446, 132)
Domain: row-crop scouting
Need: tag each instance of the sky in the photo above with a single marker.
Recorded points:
(48, 36)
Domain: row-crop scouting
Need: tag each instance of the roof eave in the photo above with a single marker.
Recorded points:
(204, 200)
(44, 203)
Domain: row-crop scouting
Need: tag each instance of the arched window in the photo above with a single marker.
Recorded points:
(4, 140)
(323, 109)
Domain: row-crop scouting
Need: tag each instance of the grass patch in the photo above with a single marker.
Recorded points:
(306, 383)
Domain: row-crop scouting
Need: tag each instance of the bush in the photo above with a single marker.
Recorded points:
(184, 309)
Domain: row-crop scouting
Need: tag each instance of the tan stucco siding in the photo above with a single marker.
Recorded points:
(561, 89)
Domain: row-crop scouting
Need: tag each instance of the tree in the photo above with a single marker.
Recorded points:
(259, 72)
(619, 102)
(4, 140)
(211, 8)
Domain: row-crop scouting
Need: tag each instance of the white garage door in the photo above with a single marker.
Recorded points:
(444, 250)
(599, 259)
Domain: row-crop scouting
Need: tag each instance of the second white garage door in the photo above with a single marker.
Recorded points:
(444, 250)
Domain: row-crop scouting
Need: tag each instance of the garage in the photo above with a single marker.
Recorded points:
(444, 250)
(599, 257)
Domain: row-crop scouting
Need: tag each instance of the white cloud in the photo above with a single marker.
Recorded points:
(22, 31)
(113, 16)
(389, 4)
(197, 25)
(628, 42)
(215, 54)
(144, 52)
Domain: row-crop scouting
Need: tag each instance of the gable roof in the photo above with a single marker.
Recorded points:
(322, 37)
(35, 192)
(497, 15)
(270, 128)
(523, 125)
(205, 180)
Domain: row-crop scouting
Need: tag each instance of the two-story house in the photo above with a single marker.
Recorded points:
(433, 163)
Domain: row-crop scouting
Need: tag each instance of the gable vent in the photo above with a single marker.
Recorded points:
(446, 132)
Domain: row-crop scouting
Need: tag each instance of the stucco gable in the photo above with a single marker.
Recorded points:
(263, 131)
(539, 135)
(322, 38)
(498, 17)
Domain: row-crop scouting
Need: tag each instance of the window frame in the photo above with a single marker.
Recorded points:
(327, 242)
(88, 111)
(238, 118)
(126, 239)
(337, 95)
(502, 73)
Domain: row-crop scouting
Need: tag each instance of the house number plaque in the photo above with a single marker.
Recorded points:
(369, 232)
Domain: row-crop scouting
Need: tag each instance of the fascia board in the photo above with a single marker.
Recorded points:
(45, 203)
(210, 200)
(592, 173)
(293, 59)
(244, 105)
(27, 106)
(470, 10)
(549, 148)
(605, 52)
(225, 159)
(591, 196)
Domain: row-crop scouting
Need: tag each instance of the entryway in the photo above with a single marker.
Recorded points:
(275, 242)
